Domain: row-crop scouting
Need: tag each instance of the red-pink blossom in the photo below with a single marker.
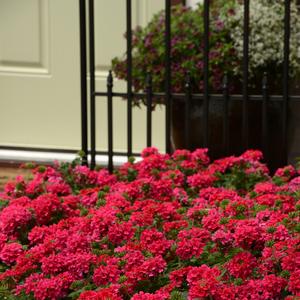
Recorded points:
(241, 265)
(10, 252)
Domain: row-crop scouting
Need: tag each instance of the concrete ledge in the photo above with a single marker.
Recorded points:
(15, 157)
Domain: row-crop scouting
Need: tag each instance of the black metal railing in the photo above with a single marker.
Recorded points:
(83, 81)
(265, 97)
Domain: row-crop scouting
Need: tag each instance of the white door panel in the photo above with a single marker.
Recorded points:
(39, 84)
(40, 79)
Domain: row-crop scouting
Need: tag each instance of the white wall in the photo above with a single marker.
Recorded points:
(40, 79)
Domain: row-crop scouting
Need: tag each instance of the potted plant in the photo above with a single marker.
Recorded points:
(226, 53)
(187, 44)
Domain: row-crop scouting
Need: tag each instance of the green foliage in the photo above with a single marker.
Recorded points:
(224, 220)
(238, 179)
(224, 203)
(177, 295)
(285, 274)
(66, 170)
(270, 243)
(86, 287)
(3, 203)
(131, 159)
(83, 211)
(257, 208)
(271, 229)
(208, 256)
(238, 281)
(6, 293)
(297, 228)
(122, 279)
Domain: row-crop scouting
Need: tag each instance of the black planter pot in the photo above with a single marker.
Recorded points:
(275, 156)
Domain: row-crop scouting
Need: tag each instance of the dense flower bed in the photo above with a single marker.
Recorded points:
(167, 227)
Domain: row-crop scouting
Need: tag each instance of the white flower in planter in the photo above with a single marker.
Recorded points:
(266, 40)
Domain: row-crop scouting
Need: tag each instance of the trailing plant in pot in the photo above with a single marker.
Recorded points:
(225, 57)
(187, 44)
(266, 39)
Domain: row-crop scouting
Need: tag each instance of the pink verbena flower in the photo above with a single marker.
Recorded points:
(104, 275)
(247, 234)
(286, 173)
(35, 186)
(202, 282)
(252, 155)
(180, 195)
(212, 220)
(76, 264)
(14, 218)
(85, 176)
(202, 179)
(110, 293)
(294, 283)
(89, 197)
(120, 232)
(176, 176)
(56, 185)
(214, 195)
(181, 154)
(222, 237)
(200, 156)
(175, 225)
(3, 239)
(294, 184)
(133, 258)
(153, 266)
(44, 207)
(191, 242)
(159, 295)
(154, 242)
(265, 188)
(291, 259)
(43, 288)
(241, 265)
(268, 288)
(10, 252)
(149, 151)
(267, 199)
(177, 277)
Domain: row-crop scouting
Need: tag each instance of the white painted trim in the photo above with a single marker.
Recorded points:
(48, 157)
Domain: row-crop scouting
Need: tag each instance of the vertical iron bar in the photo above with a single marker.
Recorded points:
(129, 76)
(187, 110)
(110, 120)
(265, 116)
(286, 76)
(92, 83)
(245, 76)
(83, 72)
(168, 73)
(206, 73)
(226, 115)
(149, 109)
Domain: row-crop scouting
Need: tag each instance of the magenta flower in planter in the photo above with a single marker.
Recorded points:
(187, 34)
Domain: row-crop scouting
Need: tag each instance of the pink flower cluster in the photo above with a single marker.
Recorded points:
(167, 227)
